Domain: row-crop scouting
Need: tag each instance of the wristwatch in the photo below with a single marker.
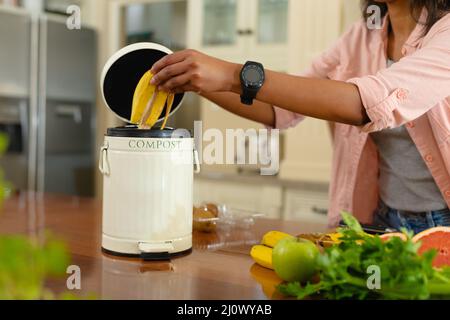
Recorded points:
(252, 80)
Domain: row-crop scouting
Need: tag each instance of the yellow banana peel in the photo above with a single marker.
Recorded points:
(148, 103)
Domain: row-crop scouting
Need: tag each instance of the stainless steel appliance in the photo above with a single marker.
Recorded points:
(14, 123)
(47, 102)
(67, 97)
(15, 93)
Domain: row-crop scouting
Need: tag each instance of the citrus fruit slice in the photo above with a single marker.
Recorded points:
(438, 239)
(387, 236)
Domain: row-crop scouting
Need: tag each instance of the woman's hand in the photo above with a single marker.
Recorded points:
(190, 70)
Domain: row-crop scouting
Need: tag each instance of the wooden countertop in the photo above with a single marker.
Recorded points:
(218, 267)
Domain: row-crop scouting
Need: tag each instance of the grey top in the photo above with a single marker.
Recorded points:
(405, 181)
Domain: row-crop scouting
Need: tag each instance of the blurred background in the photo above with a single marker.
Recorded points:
(52, 110)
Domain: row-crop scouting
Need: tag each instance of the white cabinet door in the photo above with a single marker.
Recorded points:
(160, 21)
(269, 33)
(241, 30)
(315, 25)
(272, 22)
(305, 205)
(265, 199)
(220, 26)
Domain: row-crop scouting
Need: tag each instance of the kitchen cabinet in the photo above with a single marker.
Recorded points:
(285, 35)
(220, 23)
(275, 198)
(163, 22)
(240, 30)
(305, 205)
(261, 198)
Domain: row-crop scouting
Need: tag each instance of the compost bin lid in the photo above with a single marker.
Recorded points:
(132, 131)
(122, 73)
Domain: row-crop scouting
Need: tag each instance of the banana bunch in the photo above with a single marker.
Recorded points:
(262, 253)
(149, 103)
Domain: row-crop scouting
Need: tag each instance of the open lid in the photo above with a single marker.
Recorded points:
(121, 75)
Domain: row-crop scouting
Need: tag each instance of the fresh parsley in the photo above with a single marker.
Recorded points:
(343, 269)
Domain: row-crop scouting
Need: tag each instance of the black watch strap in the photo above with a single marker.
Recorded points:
(248, 95)
(250, 89)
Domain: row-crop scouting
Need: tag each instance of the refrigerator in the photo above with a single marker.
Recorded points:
(47, 103)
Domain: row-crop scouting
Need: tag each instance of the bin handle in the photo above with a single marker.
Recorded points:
(196, 162)
(103, 164)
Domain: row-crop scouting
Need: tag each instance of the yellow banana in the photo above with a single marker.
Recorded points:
(262, 255)
(271, 238)
(142, 95)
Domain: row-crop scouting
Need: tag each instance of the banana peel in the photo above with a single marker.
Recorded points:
(323, 240)
(149, 103)
(170, 100)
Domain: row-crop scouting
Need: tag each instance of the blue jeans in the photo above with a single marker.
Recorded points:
(413, 221)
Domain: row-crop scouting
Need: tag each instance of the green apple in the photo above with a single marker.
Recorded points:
(294, 259)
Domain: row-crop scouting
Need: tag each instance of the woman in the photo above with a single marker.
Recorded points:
(386, 91)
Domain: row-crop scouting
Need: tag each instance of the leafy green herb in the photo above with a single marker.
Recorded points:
(343, 269)
(4, 185)
(24, 266)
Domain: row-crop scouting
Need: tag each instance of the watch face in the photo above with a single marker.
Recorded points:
(253, 75)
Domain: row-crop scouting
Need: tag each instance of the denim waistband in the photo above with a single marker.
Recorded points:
(414, 221)
(383, 208)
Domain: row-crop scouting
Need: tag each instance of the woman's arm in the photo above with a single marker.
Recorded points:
(190, 70)
(260, 112)
(334, 101)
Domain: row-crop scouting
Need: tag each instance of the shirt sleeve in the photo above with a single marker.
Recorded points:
(410, 87)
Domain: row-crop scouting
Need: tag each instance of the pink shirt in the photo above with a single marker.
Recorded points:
(414, 92)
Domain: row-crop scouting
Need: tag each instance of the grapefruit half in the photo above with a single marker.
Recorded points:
(438, 239)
